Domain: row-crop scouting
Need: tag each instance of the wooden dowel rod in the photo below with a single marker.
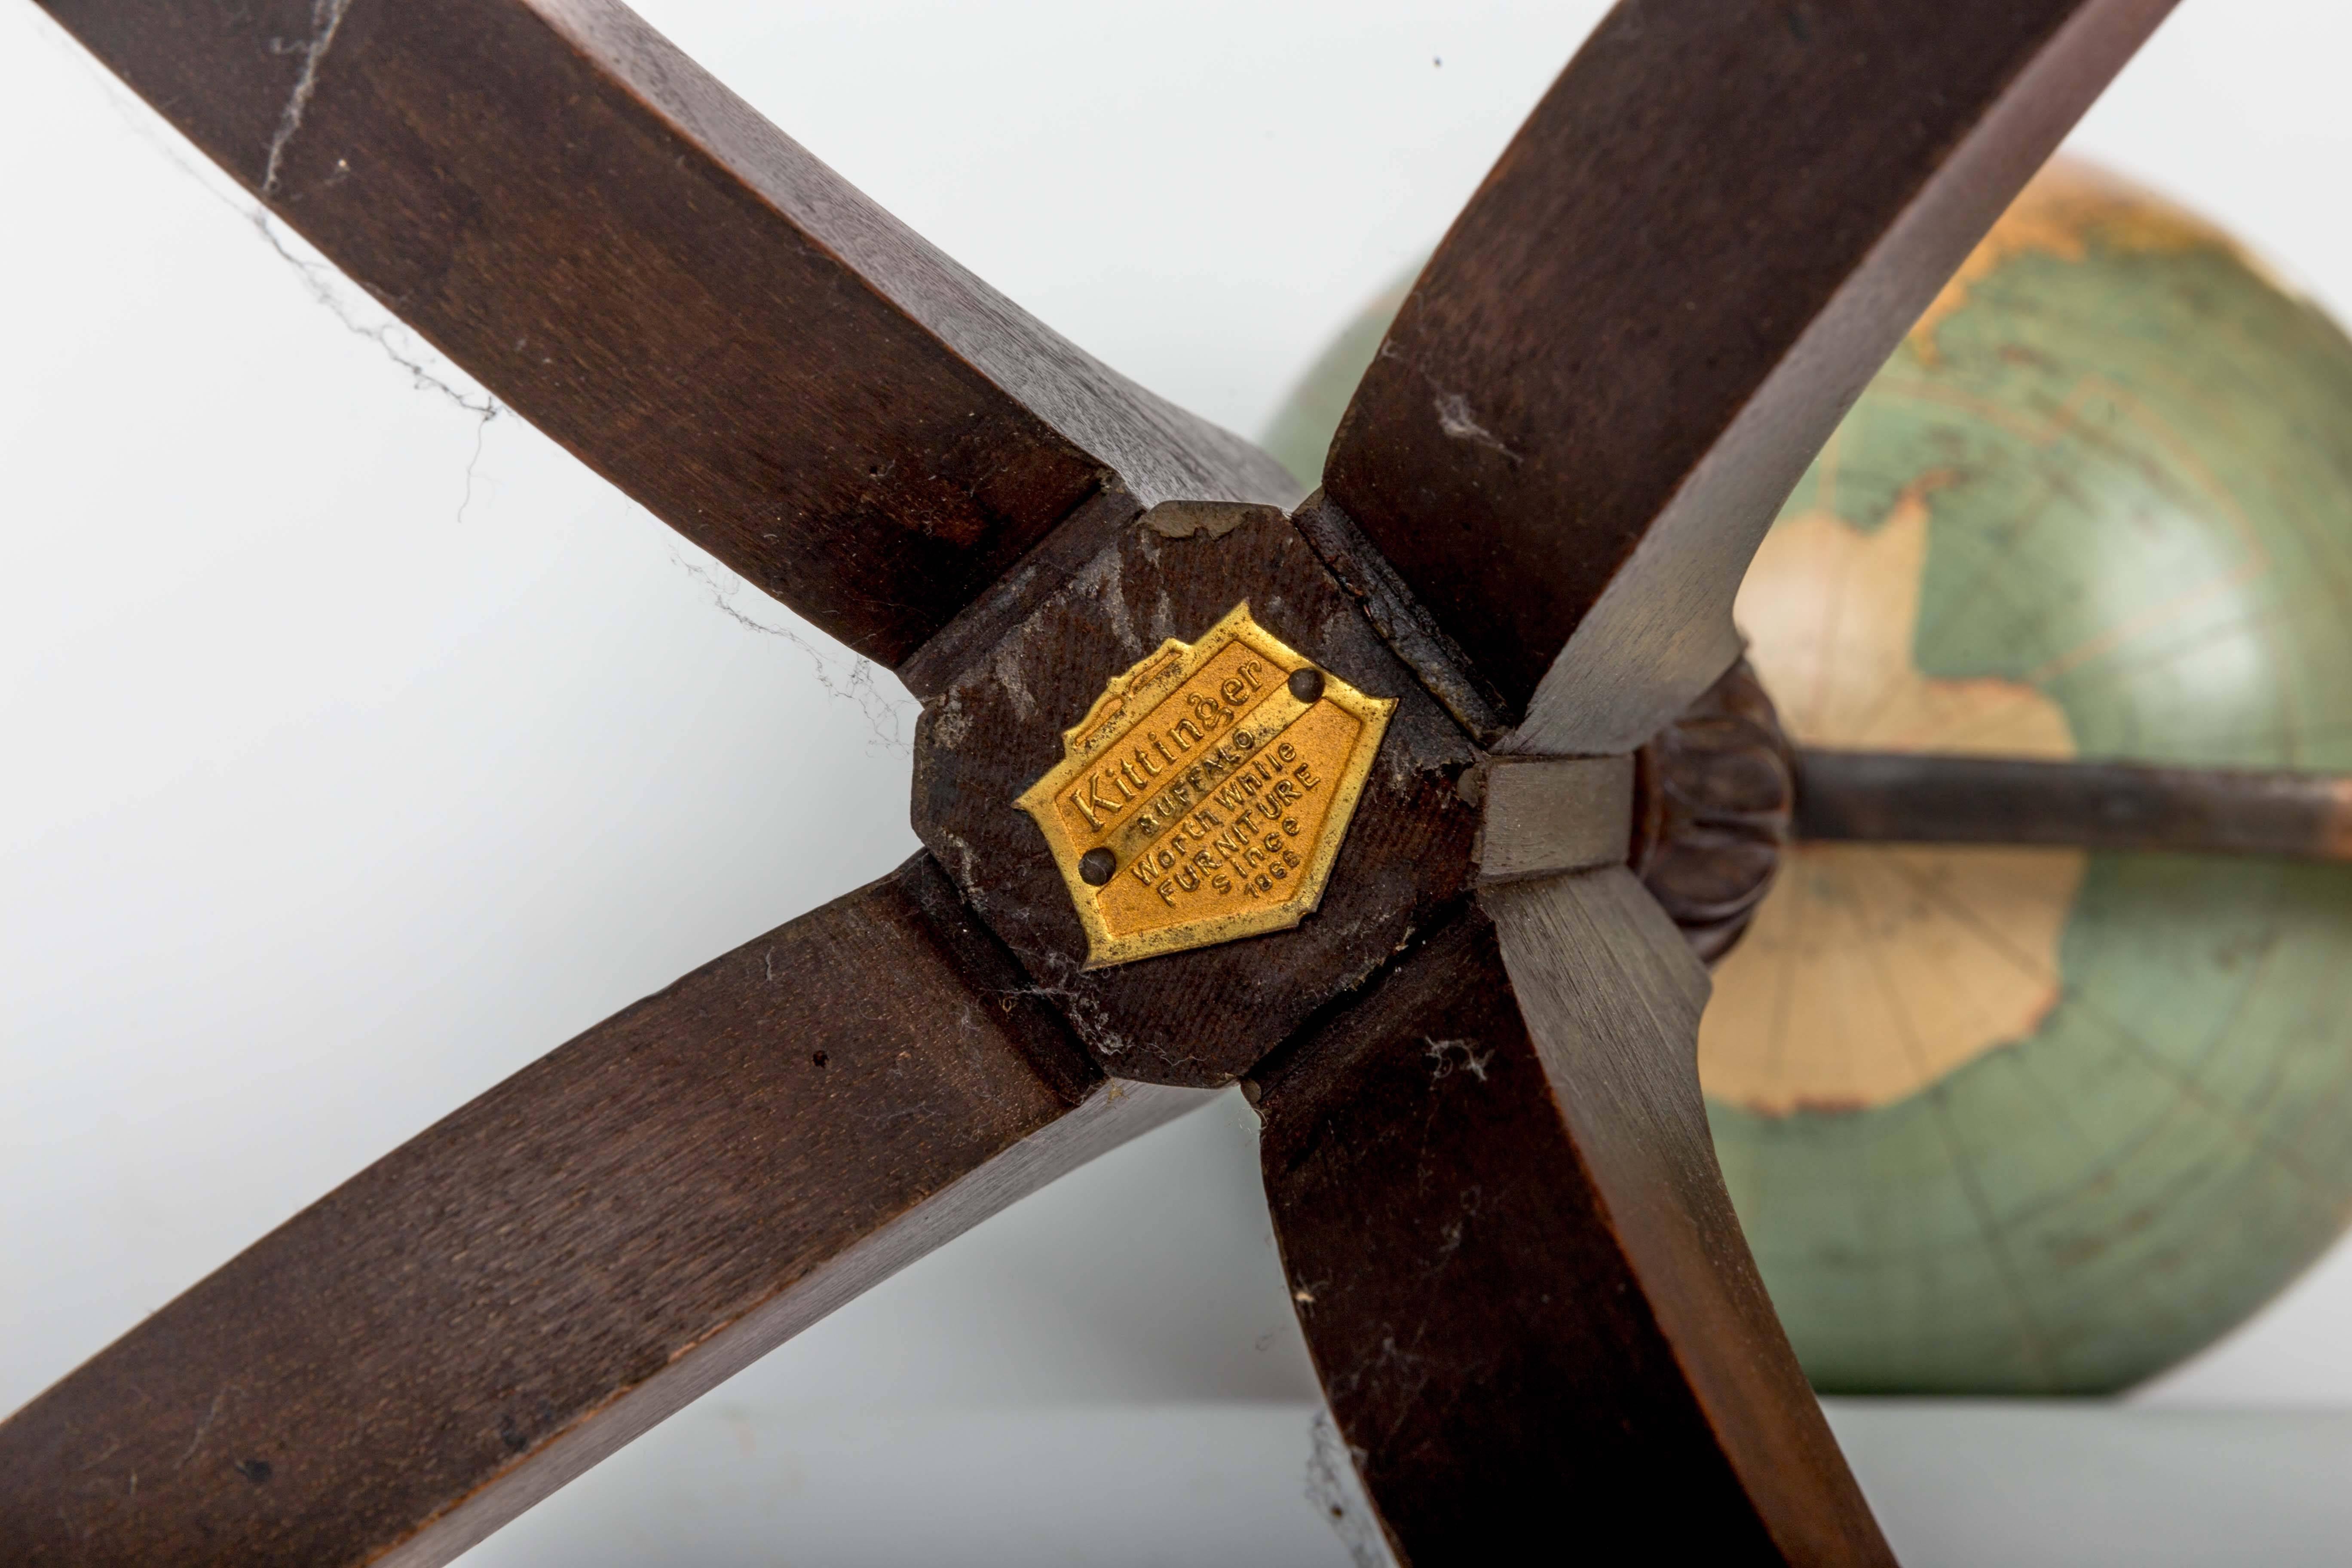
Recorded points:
(1893, 797)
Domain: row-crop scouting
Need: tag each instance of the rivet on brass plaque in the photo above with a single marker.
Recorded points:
(1204, 796)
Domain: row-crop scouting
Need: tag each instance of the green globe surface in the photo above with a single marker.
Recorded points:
(2003, 1121)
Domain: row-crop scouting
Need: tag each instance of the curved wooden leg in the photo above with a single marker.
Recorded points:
(1515, 1266)
(492, 1308)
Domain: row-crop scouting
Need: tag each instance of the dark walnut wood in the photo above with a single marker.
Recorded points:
(1489, 1166)
(1713, 796)
(1713, 229)
(1403, 619)
(1903, 797)
(1521, 1281)
(488, 1311)
(623, 251)
(1202, 1016)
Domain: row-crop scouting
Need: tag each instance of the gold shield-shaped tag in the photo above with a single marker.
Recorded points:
(1205, 794)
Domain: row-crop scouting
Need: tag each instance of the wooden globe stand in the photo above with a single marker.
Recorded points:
(1483, 1145)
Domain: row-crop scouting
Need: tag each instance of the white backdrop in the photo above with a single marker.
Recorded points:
(359, 750)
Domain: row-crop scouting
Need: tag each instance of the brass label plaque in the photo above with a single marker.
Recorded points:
(1204, 796)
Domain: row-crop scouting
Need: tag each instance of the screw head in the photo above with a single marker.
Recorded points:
(1096, 867)
(1306, 684)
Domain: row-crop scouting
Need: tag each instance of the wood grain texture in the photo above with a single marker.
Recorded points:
(538, 1278)
(1404, 620)
(1197, 1017)
(626, 254)
(1922, 798)
(1543, 816)
(1715, 226)
(1514, 1263)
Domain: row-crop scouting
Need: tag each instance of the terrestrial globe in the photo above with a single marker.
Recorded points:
(2008, 1120)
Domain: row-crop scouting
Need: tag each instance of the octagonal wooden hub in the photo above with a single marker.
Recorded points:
(1205, 794)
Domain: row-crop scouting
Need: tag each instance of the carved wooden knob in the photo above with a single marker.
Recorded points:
(1714, 793)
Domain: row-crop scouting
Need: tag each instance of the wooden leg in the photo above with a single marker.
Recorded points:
(513, 1294)
(1517, 1272)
